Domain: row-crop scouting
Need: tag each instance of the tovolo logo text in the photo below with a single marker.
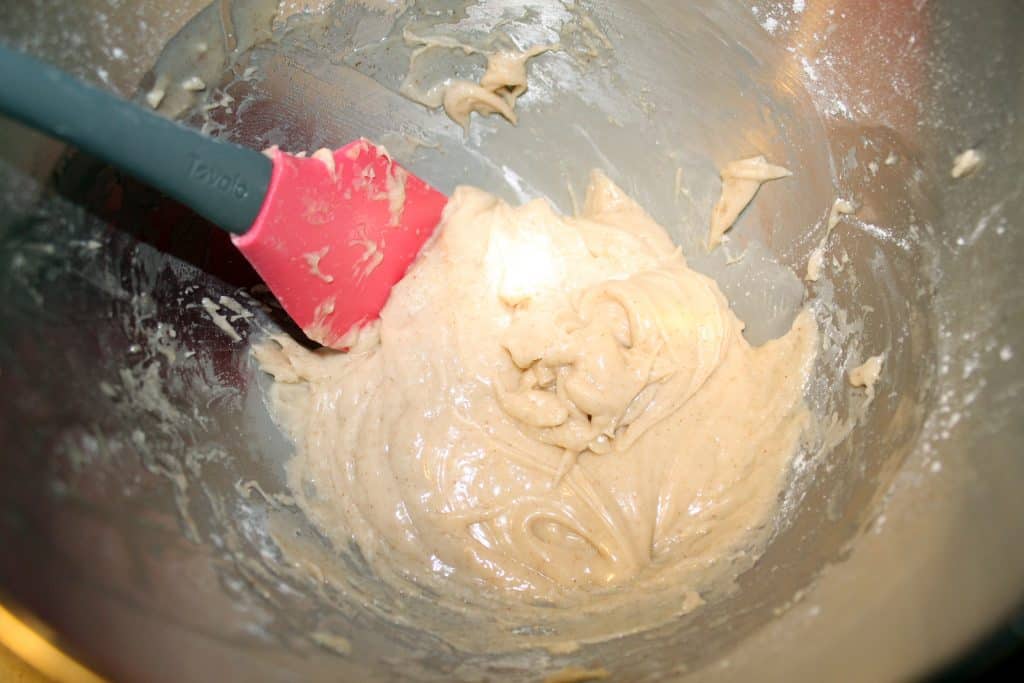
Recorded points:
(208, 175)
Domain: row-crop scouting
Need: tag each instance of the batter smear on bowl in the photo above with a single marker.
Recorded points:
(549, 408)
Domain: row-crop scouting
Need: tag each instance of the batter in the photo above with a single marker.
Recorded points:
(548, 408)
(499, 88)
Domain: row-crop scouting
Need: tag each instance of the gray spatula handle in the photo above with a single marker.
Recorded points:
(221, 181)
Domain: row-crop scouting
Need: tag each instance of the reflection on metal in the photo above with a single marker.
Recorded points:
(39, 653)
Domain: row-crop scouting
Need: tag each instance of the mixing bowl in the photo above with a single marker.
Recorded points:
(144, 516)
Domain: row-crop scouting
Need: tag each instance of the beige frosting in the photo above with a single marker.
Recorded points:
(740, 182)
(548, 407)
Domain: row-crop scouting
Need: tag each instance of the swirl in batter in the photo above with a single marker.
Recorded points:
(548, 408)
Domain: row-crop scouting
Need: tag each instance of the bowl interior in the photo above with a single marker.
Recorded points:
(142, 480)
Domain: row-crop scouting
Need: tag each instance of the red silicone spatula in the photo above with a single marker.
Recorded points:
(329, 234)
(335, 232)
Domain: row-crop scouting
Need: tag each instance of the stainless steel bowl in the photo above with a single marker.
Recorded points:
(142, 503)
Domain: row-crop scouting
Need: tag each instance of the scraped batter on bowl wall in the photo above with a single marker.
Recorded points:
(549, 409)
